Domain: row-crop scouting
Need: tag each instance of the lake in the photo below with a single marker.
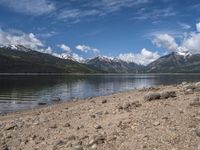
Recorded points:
(18, 92)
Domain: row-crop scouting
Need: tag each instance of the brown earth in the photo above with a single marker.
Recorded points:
(159, 118)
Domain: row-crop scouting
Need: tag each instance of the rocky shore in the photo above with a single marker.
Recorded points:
(157, 118)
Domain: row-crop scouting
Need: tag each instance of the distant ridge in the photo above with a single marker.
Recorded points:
(20, 59)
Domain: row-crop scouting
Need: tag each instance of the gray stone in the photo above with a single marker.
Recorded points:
(42, 103)
(195, 104)
(104, 101)
(78, 147)
(10, 126)
(98, 127)
(168, 94)
(152, 96)
(98, 139)
(197, 133)
(189, 91)
(156, 123)
(56, 99)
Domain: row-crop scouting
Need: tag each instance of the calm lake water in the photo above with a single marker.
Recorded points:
(24, 92)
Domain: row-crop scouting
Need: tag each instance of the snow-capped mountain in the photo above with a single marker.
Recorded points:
(17, 47)
(113, 65)
(175, 62)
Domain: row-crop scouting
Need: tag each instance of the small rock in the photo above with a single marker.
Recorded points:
(156, 123)
(189, 86)
(197, 84)
(78, 147)
(189, 91)
(195, 103)
(67, 125)
(72, 137)
(98, 127)
(197, 133)
(106, 112)
(59, 142)
(184, 83)
(56, 99)
(152, 96)
(168, 94)
(10, 126)
(136, 104)
(53, 126)
(4, 147)
(104, 101)
(94, 146)
(126, 105)
(99, 139)
(42, 103)
(92, 116)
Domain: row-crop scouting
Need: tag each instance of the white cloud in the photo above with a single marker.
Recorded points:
(192, 43)
(166, 41)
(27, 40)
(85, 48)
(154, 14)
(185, 26)
(78, 58)
(30, 7)
(144, 57)
(65, 48)
(198, 27)
(96, 9)
(189, 44)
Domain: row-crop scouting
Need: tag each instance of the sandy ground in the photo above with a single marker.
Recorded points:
(159, 118)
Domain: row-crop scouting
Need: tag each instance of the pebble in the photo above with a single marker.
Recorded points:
(10, 126)
(67, 125)
(156, 123)
(56, 99)
(104, 101)
(78, 147)
(189, 91)
(98, 127)
(197, 133)
(53, 126)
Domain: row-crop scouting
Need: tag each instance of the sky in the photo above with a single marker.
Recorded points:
(137, 31)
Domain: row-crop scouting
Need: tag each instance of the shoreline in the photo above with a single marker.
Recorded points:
(160, 117)
(66, 74)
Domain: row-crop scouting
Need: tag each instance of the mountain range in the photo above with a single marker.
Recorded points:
(19, 59)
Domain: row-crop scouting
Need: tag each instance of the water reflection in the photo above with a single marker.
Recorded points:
(24, 92)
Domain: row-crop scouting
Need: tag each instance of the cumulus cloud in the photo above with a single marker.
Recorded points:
(166, 41)
(144, 57)
(85, 48)
(65, 48)
(189, 44)
(198, 27)
(32, 7)
(77, 57)
(192, 43)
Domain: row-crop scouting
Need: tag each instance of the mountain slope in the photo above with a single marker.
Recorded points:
(175, 63)
(108, 65)
(23, 60)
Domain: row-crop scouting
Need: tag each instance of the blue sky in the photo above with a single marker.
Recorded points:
(132, 30)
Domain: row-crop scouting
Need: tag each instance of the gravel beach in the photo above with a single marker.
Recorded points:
(157, 118)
